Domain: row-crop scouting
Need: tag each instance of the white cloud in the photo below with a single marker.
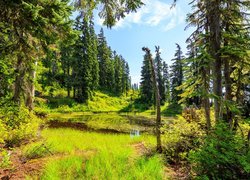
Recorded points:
(170, 25)
(154, 13)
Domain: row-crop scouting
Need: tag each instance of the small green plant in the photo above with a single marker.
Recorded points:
(37, 150)
(5, 161)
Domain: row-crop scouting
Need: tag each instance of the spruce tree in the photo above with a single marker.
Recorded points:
(30, 27)
(105, 64)
(176, 75)
(159, 74)
(146, 84)
(166, 79)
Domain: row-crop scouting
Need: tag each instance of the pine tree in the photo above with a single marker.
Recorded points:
(157, 99)
(127, 79)
(112, 10)
(93, 54)
(166, 79)
(105, 64)
(118, 73)
(159, 74)
(220, 49)
(29, 28)
(146, 85)
(176, 75)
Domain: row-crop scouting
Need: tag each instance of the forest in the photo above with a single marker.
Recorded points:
(69, 108)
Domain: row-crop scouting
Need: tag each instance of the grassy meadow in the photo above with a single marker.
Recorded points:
(73, 154)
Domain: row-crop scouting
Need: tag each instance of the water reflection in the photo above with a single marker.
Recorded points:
(134, 133)
(134, 125)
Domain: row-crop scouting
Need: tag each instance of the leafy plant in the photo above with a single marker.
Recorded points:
(17, 123)
(179, 137)
(5, 159)
(223, 151)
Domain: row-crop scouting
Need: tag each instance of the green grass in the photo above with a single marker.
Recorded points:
(89, 155)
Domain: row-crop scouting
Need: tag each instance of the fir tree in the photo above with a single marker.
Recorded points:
(176, 75)
(146, 85)
(159, 74)
(166, 79)
(105, 64)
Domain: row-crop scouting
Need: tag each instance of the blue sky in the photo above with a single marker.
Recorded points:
(155, 24)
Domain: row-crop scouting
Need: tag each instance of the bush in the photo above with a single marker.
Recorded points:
(224, 155)
(64, 109)
(181, 136)
(57, 102)
(4, 159)
(16, 124)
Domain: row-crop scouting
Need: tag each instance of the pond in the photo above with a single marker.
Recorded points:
(104, 122)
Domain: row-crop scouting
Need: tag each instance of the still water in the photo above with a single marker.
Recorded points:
(105, 122)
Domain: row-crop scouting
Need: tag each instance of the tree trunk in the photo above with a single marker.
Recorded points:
(228, 94)
(157, 99)
(18, 84)
(206, 85)
(206, 102)
(31, 89)
(214, 22)
(228, 81)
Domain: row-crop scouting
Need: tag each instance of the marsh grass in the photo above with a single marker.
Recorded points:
(89, 155)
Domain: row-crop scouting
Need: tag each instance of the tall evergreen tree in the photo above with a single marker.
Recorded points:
(159, 74)
(146, 85)
(166, 79)
(30, 27)
(105, 64)
(118, 73)
(176, 75)
(93, 55)
(85, 69)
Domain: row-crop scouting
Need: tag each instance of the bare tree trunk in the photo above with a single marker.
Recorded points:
(157, 99)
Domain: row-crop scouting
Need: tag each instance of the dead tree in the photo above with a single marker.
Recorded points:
(157, 100)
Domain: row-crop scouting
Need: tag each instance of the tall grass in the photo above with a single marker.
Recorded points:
(89, 155)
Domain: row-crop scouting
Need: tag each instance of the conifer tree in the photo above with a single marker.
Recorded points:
(30, 27)
(176, 75)
(105, 64)
(166, 79)
(118, 73)
(146, 85)
(159, 74)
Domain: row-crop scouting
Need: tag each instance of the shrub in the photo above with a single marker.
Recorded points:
(4, 159)
(64, 109)
(57, 102)
(179, 137)
(17, 123)
(224, 155)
